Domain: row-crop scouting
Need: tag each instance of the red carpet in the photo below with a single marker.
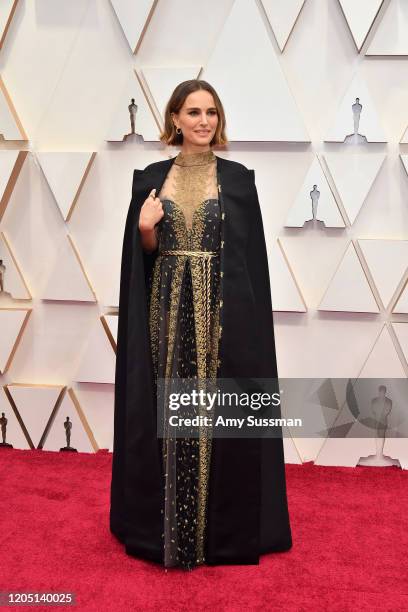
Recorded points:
(349, 526)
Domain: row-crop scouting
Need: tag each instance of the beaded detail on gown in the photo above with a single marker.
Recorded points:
(184, 308)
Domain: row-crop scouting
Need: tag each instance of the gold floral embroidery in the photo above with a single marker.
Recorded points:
(191, 180)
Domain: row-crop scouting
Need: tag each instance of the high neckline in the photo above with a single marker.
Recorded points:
(195, 159)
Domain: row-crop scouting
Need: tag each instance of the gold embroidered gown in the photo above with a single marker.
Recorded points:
(184, 328)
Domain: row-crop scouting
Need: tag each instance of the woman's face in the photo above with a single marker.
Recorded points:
(197, 119)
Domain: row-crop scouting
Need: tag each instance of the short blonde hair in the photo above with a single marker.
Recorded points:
(169, 135)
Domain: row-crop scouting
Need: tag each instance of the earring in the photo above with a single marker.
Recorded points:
(178, 131)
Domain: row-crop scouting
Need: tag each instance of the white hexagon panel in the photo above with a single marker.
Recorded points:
(36, 404)
(11, 127)
(315, 201)
(254, 69)
(66, 173)
(133, 118)
(356, 121)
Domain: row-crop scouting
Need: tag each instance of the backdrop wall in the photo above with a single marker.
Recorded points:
(288, 74)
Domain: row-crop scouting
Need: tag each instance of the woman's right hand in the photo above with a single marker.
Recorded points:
(151, 212)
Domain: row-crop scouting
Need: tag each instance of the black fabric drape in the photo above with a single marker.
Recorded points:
(247, 506)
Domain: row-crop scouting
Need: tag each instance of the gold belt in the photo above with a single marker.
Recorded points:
(206, 283)
(193, 253)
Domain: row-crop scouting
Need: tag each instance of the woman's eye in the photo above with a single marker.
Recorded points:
(211, 112)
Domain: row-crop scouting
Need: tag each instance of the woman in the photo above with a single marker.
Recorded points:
(195, 303)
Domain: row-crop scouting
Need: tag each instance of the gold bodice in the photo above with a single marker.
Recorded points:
(192, 180)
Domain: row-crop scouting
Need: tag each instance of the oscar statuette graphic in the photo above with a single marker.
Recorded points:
(2, 274)
(132, 111)
(3, 423)
(355, 137)
(314, 194)
(380, 409)
(68, 427)
(133, 108)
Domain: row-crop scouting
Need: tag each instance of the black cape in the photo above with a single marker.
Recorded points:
(247, 505)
